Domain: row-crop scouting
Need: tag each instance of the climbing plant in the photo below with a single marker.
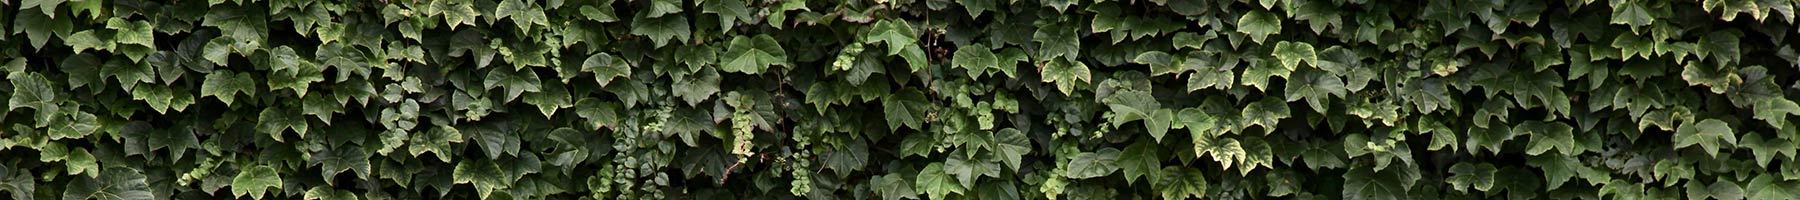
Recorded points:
(898, 99)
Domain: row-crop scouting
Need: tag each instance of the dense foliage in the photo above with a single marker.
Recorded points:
(898, 99)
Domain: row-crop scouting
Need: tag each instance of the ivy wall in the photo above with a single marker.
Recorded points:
(898, 99)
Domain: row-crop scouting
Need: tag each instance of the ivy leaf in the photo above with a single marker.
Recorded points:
(968, 170)
(606, 67)
(1775, 110)
(1011, 145)
(893, 187)
(1631, 13)
(1316, 88)
(244, 27)
(1265, 113)
(907, 108)
(79, 161)
(1131, 105)
(1770, 186)
(1707, 133)
(18, 181)
(1558, 168)
(84, 40)
(1180, 183)
(1546, 136)
(1058, 40)
(1765, 149)
(1292, 53)
(128, 73)
(225, 85)
(935, 182)
(1140, 159)
(1065, 74)
(661, 30)
(275, 121)
(33, 91)
(1093, 164)
(343, 158)
(1721, 189)
(1481, 176)
(730, 12)
(898, 34)
(326, 193)
(437, 141)
(975, 58)
(1365, 183)
(486, 176)
(254, 181)
(752, 55)
(1160, 63)
(599, 113)
(552, 96)
(515, 82)
(178, 141)
(1259, 24)
(697, 87)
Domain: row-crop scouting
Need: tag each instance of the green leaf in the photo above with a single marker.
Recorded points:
(1480, 176)
(1131, 105)
(79, 162)
(1140, 159)
(225, 85)
(115, 183)
(486, 176)
(1559, 168)
(1259, 24)
(128, 73)
(1721, 189)
(1706, 133)
(33, 91)
(1631, 13)
(255, 181)
(975, 58)
(661, 30)
(1316, 88)
(752, 55)
(606, 67)
(515, 82)
(552, 96)
(1769, 186)
(1066, 74)
(907, 108)
(275, 121)
(1765, 149)
(1292, 53)
(730, 12)
(48, 6)
(968, 170)
(1180, 183)
(84, 40)
(1160, 63)
(935, 182)
(326, 193)
(894, 187)
(1093, 164)
(245, 27)
(1011, 146)
(343, 158)
(1546, 136)
(18, 181)
(1366, 183)
(697, 87)
(1057, 40)
(1265, 113)
(437, 141)
(897, 34)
